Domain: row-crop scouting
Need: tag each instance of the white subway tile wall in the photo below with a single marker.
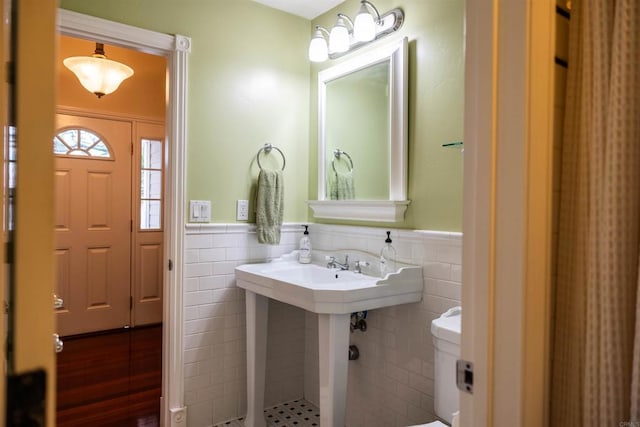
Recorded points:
(391, 384)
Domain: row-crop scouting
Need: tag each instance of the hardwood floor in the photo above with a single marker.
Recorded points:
(110, 379)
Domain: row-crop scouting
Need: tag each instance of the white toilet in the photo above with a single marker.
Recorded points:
(446, 340)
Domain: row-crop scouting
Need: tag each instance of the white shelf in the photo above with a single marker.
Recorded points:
(360, 210)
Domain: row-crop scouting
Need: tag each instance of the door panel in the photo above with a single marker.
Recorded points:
(150, 257)
(149, 234)
(99, 193)
(93, 231)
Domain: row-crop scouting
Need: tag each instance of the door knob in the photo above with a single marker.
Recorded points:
(57, 343)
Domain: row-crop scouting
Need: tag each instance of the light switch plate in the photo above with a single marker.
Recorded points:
(199, 211)
(242, 210)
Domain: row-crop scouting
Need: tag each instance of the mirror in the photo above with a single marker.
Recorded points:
(362, 137)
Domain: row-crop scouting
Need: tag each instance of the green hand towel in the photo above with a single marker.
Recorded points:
(269, 206)
(342, 186)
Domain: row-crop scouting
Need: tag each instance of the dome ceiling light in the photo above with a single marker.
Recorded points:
(98, 74)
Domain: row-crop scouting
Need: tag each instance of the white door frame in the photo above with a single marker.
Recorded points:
(507, 221)
(176, 49)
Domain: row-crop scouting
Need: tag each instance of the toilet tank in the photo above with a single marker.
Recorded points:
(446, 340)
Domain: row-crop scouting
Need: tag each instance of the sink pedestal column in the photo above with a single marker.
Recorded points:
(257, 316)
(333, 336)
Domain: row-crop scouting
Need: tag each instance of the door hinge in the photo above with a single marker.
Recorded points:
(464, 375)
(131, 225)
(170, 265)
(132, 148)
(130, 302)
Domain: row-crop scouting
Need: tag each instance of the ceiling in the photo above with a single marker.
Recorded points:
(306, 8)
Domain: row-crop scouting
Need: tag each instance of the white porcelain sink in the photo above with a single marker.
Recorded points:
(323, 290)
(333, 294)
(307, 275)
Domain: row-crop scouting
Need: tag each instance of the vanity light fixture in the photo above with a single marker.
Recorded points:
(318, 49)
(98, 74)
(347, 35)
(339, 38)
(364, 27)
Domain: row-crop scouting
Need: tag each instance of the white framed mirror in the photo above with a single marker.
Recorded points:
(362, 136)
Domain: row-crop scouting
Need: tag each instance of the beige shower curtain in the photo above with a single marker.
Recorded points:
(596, 346)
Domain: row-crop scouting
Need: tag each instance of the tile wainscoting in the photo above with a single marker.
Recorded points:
(392, 382)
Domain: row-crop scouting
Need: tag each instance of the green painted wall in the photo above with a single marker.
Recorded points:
(248, 84)
(436, 85)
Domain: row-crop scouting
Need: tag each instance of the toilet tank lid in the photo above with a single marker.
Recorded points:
(448, 325)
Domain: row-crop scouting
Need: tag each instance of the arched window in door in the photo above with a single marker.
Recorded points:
(78, 142)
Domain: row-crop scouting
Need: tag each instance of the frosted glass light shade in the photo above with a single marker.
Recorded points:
(339, 37)
(318, 49)
(98, 74)
(364, 26)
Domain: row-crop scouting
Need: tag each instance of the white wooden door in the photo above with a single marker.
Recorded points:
(92, 223)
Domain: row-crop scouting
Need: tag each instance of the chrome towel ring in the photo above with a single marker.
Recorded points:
(337, 153)
(267, 149)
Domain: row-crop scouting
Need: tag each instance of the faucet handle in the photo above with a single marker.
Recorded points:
(331, 261)
(360, 264)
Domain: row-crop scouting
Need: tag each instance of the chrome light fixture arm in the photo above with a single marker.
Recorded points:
(390, 22)
(385, 24)
(378, 19)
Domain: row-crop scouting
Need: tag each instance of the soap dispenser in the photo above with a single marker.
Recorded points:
(304, 254)
(387, 257)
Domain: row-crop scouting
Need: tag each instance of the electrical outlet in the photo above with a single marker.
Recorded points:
(200, 211)
(242, 210)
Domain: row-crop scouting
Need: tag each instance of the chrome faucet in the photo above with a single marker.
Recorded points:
(360, 264)
(332, 263)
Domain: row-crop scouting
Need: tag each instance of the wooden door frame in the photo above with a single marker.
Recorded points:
(5, 56)
(507, 221)
(32, 303)
(176, 49)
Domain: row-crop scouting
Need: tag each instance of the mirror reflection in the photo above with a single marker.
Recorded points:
(357, 128)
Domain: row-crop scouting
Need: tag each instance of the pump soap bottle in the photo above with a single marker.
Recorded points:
(304, 255)
(387, 257)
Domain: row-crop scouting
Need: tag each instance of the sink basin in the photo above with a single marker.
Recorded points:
(323, 290)
(308, 275)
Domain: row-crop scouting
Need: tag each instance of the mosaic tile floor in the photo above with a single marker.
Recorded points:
(297, 413)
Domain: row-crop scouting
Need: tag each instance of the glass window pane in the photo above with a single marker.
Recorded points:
(90, 145)
(87, 139)
(99, 150)
(13, 155)
(59, 147)
(151, 184)
(150, 214)
(12, 144)
(70, 137)
(151, 154)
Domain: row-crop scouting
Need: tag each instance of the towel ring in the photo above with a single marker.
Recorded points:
(337, 153)
(267, 149)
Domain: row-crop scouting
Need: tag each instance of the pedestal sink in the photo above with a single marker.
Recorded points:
(333, 294)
